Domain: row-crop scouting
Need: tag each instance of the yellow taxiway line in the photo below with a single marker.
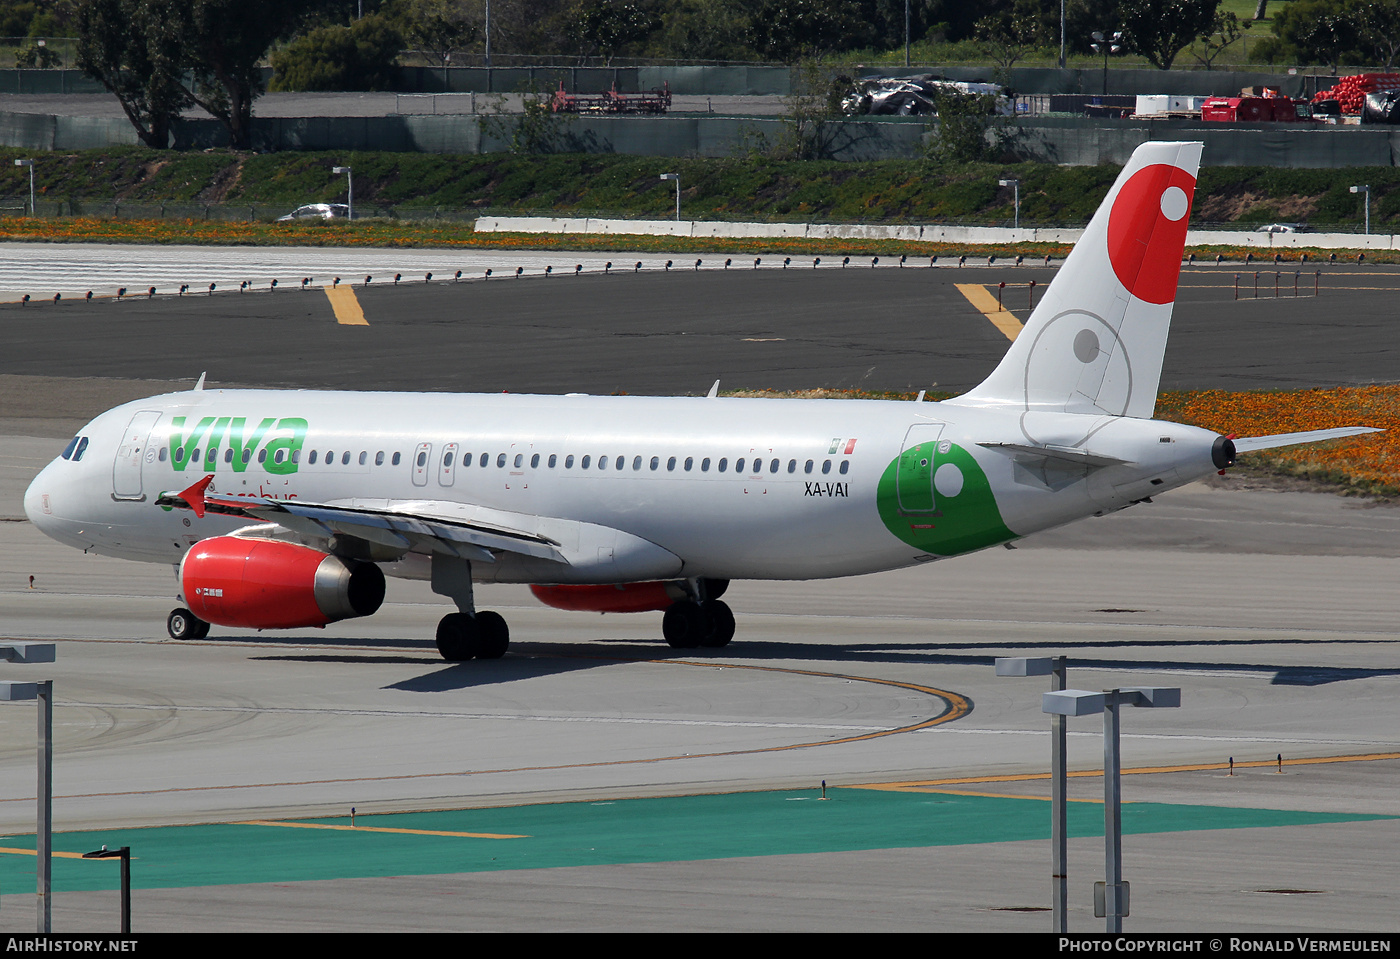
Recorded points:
(410, 832)
(985, 303)
(346, 305)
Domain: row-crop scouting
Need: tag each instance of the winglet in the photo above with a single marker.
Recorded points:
(194, 496)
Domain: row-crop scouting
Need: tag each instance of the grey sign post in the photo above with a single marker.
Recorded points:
(1112, 903)
(1055, 668)
(43, 834)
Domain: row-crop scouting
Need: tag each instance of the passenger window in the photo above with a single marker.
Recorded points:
(584, 463)
(296, 456)
(379, 458)
(281, 454)
(330, 457)
(655, 462)
(671, 464)
(228, 455)
(845, 464)
(602, 462)
(618, 464)
(447, 459)
(792, 466)
(312, 460)
(535, 461)
(519, 459)
(553, 459)
(500, 460)
(773, 466)
(569, 462)
(485, 459)
(826, 466)
(247, 455)
(396, 459)
(637, 463)
(345, 458)
(262, 455)
(808, 467)
(422, 458)
(364, 457)
(723, 462)
(738, 465)
(194, 457)
(163, 451)
(212, 455)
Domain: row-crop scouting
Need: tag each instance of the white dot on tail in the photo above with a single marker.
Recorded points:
(948, 480)
(1174, 203)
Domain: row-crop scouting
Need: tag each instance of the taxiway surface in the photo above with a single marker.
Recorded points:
(1274, 611)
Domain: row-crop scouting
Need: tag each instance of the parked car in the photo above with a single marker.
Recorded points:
(318, 211)
(1282, 228)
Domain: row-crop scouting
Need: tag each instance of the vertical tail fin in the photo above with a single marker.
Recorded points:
(1095, 343)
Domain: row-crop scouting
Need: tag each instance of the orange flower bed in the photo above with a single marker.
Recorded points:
(1364, 464)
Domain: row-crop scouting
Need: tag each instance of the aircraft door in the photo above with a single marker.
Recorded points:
(131, 453)
(421, 466)
(914, 474)
(447, 467)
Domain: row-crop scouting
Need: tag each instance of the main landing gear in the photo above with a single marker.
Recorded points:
(463, 636)
(688, 624)
(183, 624)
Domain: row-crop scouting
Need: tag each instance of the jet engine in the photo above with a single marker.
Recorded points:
(267, 584)
(620, 598)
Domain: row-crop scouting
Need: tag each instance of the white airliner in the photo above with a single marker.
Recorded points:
(286, 509)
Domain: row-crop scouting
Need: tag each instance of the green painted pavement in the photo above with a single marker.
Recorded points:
(582, 834)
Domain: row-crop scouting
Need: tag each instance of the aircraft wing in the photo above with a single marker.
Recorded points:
(471, 532)
(1250, 443)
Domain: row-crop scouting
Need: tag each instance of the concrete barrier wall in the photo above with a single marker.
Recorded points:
(928, 233)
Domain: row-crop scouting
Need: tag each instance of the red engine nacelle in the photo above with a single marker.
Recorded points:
(266, 584)
(620, 598)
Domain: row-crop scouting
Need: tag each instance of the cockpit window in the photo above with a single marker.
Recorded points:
(82, 448)
(68, 450)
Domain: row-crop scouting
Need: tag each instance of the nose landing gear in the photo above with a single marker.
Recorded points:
(183, 624)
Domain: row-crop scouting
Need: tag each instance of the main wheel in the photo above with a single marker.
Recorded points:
(183, 624)
(721, 619)
(493, 635)
(457, 637)
(685, 625)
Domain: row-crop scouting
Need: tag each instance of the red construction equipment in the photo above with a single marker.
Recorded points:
(654, 101)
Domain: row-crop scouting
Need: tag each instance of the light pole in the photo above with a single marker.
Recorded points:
(1111, 895)
(43, 833)
(1364, 188)
(124, 854)
(1106, 46)
(677, 178)
(349, 191)
(1016, 194)
(30, 164)
(1055, 667)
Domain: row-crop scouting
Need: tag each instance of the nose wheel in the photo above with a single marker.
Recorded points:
(183, 624)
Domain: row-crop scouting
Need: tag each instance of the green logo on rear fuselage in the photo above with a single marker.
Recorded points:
(936, 498)
(223, 442)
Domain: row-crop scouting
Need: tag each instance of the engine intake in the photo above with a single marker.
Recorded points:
(266, 584)
(1222, 454)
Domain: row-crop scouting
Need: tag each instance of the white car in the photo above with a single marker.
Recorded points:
(318, 211)
(1281, 228)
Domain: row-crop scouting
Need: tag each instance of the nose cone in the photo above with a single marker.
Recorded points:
(37, 504)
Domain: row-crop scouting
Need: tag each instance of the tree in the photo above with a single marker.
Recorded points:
(793, 30)
(1008, 35)
(136, 49)
(1377, 29)
(1313, 31)
(440, 27)
(1228, 30)
(358, 57)
(968, 127)
(1161, 29)
(227, 40)
(603, 27)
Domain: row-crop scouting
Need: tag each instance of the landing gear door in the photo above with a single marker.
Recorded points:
(914, 474)
(132, 452)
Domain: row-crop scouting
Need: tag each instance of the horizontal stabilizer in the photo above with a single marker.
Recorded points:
(1066, 454)
(1248, 444)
